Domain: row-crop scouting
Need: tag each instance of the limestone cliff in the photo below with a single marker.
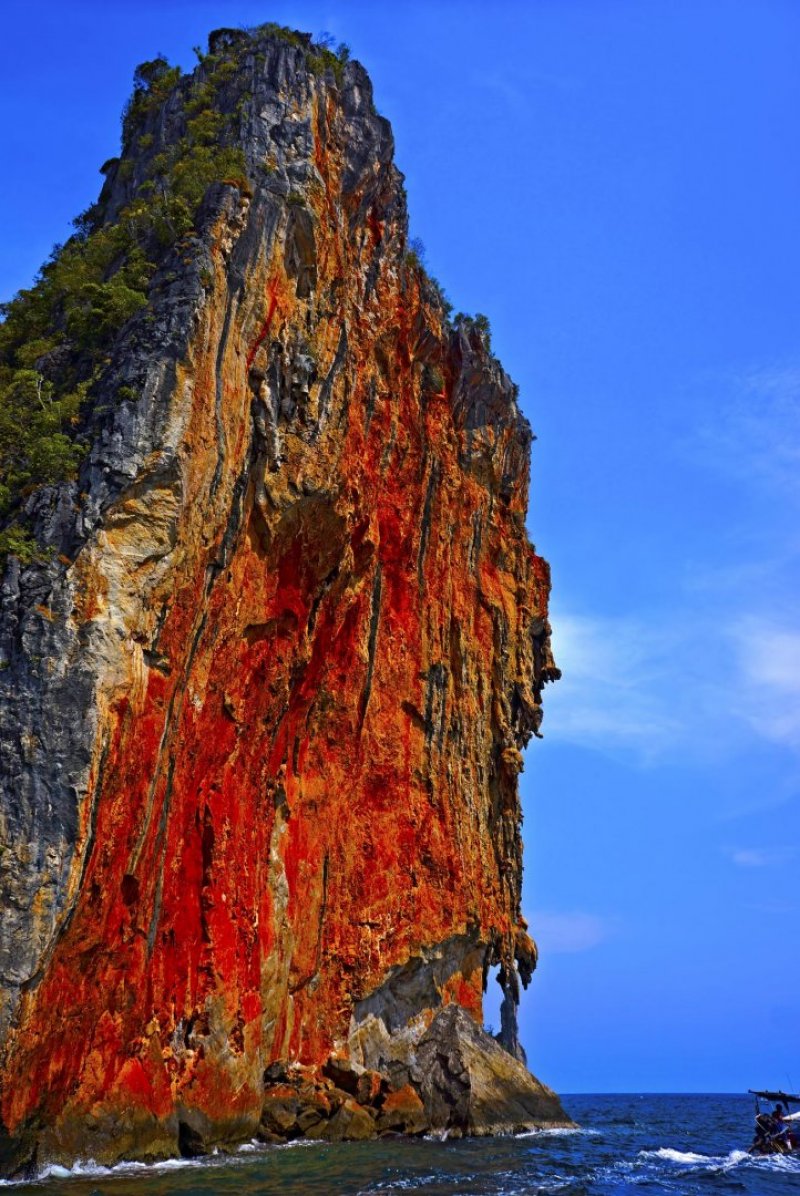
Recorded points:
(264, 694)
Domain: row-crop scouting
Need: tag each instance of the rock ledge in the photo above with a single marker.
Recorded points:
(457, 1082)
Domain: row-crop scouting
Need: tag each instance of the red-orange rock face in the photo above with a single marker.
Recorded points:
(310, 634)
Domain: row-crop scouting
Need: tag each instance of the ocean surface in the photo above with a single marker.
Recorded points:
(643, 1144)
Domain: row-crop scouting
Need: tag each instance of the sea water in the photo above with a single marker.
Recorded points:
(633, 1144)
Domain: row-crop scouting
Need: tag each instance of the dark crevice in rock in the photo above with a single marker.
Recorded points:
(66, 920)
(425, 522)
(374, 620)
(323, 401)
(436, 703)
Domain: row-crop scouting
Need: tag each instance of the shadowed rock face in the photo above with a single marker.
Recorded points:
(261, 710)
(471, 1085)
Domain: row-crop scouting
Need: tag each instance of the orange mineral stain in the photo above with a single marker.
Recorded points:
(315, 683)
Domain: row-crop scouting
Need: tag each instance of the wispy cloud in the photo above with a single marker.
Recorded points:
(517, 94)
(761, 857)
(704, 680)
(647, 687)
(567, 933)
(768, 655)
(610, 693)
(756, 433)
(716, 668)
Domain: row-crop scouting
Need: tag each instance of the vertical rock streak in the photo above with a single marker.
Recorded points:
(262, 754)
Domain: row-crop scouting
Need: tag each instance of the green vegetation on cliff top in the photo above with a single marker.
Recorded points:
(56, 336)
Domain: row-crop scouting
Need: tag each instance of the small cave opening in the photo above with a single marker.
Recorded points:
(190, 1143)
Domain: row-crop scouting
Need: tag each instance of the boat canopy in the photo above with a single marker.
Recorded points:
(786, 1098)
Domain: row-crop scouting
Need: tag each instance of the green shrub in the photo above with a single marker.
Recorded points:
(56, 336)
(433, 379)
(440, 295)
(293, 36)
(152, 83)
(155, 77)
(481, 323)
(322, 57)
(34, 447)
(478, 323)
(16, 541)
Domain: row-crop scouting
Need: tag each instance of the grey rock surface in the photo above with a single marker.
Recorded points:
(52, 752)
(469, 1084)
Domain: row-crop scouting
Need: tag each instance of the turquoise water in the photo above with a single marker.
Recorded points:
(627, 1144)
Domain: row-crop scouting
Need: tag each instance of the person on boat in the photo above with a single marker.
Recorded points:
(765, 1128)
(770, 1127)
(772, 1132)
(781, 1130)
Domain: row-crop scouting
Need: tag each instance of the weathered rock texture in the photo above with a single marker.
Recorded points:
(261, 712)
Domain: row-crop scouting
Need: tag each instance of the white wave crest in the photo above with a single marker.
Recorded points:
(563, 1131)
(736, 1158)
(675, 1156)
(90, 1169)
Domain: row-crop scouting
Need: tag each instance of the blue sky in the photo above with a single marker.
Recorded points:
(617, 185)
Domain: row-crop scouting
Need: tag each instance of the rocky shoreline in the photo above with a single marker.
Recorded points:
(456, 1081)
(459, 1082)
